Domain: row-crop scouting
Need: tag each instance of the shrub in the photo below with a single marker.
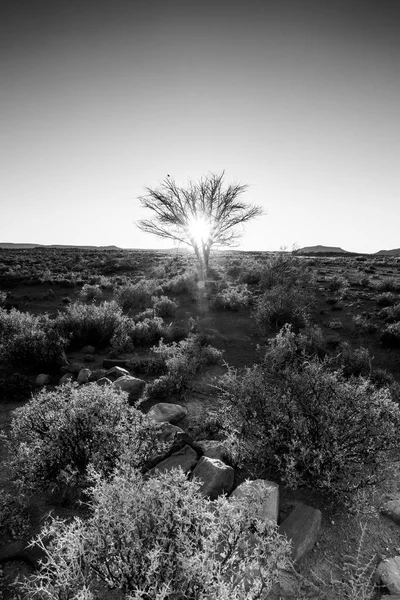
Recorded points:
(286, 269)
(164, 306)
(150, 538)
(280, 305)
(185, 283)
(390, 336)
(3, 297)
(388, 284)
(354, 361)
(182, 361)
(90, 293)
(232, 298)
(249, 271)
(364, 325)
(129, 334)
(386, 299)
(136, 296)
(306, 424)
(90, 324)
(339, 284)
(28, 339)
(390, 314)
(58, 433)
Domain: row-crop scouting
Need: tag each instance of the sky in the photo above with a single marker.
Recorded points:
(299, 100)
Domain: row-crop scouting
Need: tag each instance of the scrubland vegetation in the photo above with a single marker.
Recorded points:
(298, 357)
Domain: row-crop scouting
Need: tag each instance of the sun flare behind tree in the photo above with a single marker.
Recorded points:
(203, 215)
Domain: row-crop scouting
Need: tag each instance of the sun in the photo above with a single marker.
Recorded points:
(199, 229)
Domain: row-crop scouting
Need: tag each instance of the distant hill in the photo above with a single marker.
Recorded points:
(322, 249)
(395, 252)
(10, 245)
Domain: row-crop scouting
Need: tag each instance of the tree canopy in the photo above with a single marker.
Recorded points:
(202, 215)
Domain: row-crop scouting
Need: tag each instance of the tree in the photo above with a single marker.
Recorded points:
(202, 215)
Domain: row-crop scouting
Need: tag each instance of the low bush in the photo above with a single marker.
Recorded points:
(29, 340)
(364, 325)
(286, 269)
(136, 296)
(164, 306)
(390, 314)
(159, 539)
(386, 299)
(353, 361)
(129, 333)
(185, 283)
(280, 305)
(388, 284)
(90, 293)
(90, 324)
(306, 424)
(390, 336)
(338, 284)
(58, 433)
(182, 360)
(232, 298)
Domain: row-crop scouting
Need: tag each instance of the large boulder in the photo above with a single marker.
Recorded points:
(168, 433)
(185, 458)
(391, 509)
(88, 350)
(388, 572)
(301, 528)
(116, 372)
(268, 490)
(83, 376)
(211, 449)
(42, 379)
(215, 476)
(163, 411)
(132, 385)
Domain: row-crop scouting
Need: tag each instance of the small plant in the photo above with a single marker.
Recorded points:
(280, 305)
(58, 433)
(30, 340)
(90, 293)
(388, 284)
(386, 299)
(232, 298)
(354, 361)
(364, 325)
(150, 538)
(390, 337)
(164, 306)
(390, 314)
(183, 360)
(306, 424)
(136, 296)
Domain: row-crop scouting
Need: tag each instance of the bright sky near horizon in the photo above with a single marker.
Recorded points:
(299, 99)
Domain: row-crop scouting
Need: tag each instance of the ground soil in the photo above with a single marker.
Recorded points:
(236, 334)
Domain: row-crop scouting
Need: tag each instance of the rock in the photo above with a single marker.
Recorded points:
(392, 509)
(66, 378)
(163, 411)
(186, 459)
(270, 493)
(88, 350)
(104, 381)
(132, 385)
(170, 432)
(212, 449)
(83, 376)
(89, 358)
(388, 571)
(42, 379)
(62, 360)
(116, 372)
(301, 528)
(19, 550)
(108, 363)
(217, 478)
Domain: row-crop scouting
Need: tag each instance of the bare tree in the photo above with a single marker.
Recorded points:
(202, 215)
